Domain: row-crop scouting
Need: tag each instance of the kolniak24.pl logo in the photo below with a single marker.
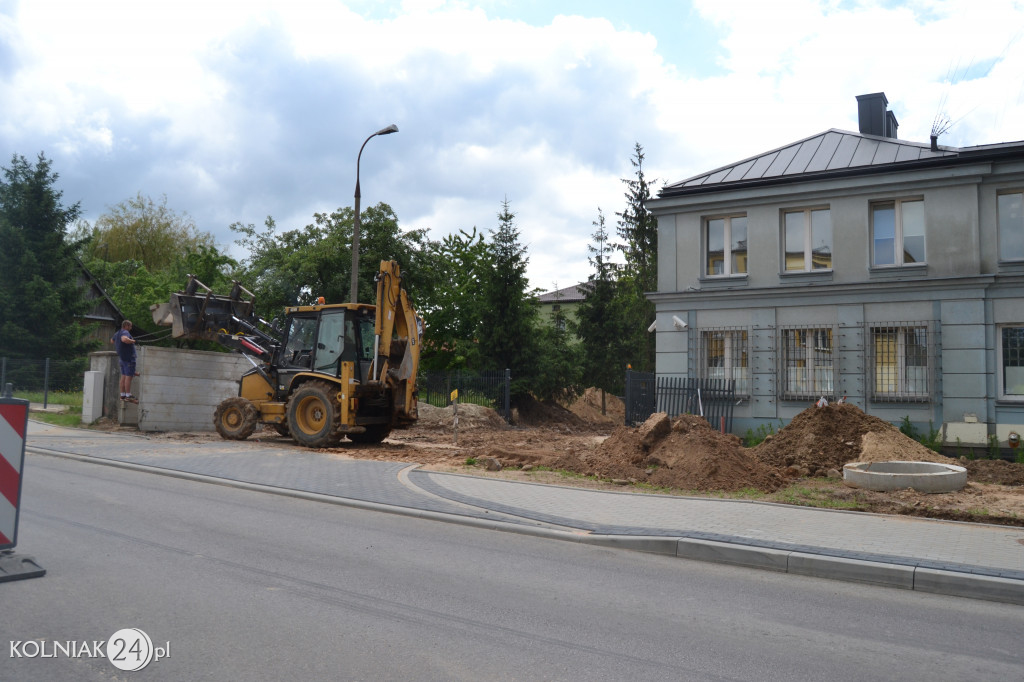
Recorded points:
(127, 649)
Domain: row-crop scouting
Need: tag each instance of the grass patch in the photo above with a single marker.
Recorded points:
(72, 398)
(806, 496)
(71, 419)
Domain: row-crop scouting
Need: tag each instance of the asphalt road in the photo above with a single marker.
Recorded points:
(247, 585)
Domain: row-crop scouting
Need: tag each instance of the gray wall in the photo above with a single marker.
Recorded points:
(962, 292)
(178, 389)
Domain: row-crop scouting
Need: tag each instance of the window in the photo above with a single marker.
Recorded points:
(724, 355)
(726, 240)
(808, 369)
(1011, 342)
(1010, 207)
(808, 240)
(899, 354)
(897, 233)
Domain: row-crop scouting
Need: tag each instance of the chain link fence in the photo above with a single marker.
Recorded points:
(47, 374)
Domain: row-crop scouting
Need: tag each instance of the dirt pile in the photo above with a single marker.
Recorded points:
(823, 438)
(685, 453)
(588, 408)
(470, 417)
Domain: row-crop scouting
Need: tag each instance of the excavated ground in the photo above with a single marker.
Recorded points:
(584, 447)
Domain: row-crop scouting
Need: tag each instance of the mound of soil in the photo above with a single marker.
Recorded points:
(470, 417)
(534, 413)
(823, 438)
(685, 453)
(588, 408)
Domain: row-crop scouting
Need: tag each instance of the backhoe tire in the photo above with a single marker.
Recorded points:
(314, 417)
(235, 419)
(375, 433)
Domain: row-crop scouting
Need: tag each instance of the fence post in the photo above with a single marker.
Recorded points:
(508, 395)
(629, 402)
(46, 381)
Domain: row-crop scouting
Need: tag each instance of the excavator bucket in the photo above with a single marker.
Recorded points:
(198, 313)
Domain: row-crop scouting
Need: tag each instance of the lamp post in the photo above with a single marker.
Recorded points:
(355, 225)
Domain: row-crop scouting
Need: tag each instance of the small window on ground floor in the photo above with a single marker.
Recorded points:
(724, 354)
(900, 360)
(1011, 362)
(808, 363)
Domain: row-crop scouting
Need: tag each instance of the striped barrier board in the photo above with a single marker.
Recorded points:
(13, 427)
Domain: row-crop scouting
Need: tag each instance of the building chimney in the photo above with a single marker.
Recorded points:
(891, 125)
(873, 117)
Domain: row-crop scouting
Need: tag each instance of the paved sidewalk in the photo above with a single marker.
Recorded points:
(965, 559)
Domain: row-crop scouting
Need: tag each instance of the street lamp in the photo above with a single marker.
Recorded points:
(355, 225)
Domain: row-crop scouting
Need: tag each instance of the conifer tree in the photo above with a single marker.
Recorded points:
(41, 300)
(638, 230)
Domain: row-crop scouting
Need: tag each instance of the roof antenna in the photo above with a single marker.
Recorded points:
(940, 125)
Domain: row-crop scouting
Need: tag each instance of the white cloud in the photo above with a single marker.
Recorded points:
(242, 109)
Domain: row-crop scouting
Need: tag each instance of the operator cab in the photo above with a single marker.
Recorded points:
(319, 340)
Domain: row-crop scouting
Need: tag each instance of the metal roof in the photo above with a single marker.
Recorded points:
(566, 295)
(832, 151)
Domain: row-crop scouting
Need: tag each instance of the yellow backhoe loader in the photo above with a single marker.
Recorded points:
(327, 372)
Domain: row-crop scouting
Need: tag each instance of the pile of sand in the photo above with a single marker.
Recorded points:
(470, 417)
(685, 453)
(823, 438)
(588, 408)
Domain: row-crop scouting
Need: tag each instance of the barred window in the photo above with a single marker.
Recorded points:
(900, 360)
(808, 363)
(724, 355)
(1011, 341)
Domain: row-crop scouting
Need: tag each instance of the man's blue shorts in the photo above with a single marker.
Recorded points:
(127, 368)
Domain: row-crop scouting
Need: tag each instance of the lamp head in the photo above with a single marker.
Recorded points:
(387, 131)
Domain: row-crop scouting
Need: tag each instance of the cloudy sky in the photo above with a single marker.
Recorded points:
(240, 109)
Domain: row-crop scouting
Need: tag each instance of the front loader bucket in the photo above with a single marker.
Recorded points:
(195, 314)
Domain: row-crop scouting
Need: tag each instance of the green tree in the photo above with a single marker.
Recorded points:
(599, 318)
(558, 370)
(143, 230)
(40, 297)
(509, 314)
(294, 267)
(451, 304)
(638, 230)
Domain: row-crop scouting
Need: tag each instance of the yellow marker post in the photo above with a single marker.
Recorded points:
(455, 411)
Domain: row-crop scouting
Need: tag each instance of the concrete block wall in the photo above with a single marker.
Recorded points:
(179, 390)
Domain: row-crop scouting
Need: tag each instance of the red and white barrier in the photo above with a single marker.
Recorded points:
(13, 426)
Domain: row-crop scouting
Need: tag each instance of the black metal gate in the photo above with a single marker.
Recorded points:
(712, 399)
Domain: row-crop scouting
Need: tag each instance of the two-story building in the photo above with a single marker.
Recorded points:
(852, 264)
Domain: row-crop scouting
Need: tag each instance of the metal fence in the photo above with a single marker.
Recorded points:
(712, 399)
(45, 375)
(490, 389)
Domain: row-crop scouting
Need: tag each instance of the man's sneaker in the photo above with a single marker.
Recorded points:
(130, 399)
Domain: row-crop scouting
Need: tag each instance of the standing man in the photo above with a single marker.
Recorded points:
(124, 344)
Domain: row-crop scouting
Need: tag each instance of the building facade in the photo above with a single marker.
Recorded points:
(852, 264)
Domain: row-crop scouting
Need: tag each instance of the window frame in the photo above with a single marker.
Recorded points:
(1001, 358)
(902, 392)
(727, 252)
(1000, 230)
(808, 240)
(898, 233)
(812, 359)
(735, 346)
